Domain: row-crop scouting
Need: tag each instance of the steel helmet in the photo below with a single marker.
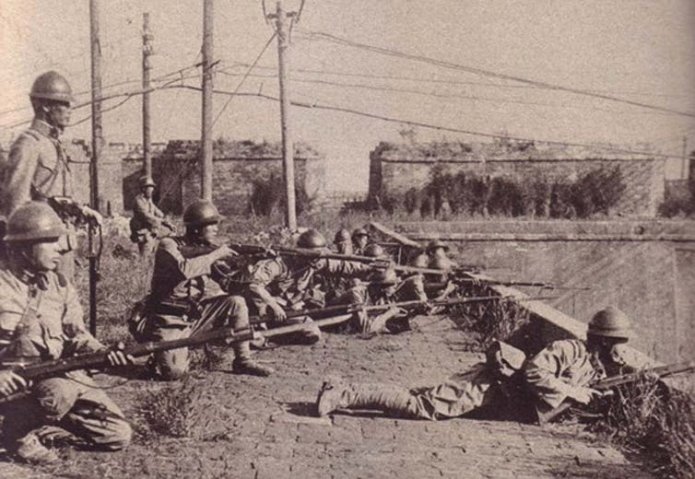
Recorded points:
(201, 212)
(611, 323)
(34, 221)
(374, 250)
(437, 244)
(341, 236)
(420, 261)
(146, 180)
(311, 239)
(387, 277)
(359, 232)
(51, 86)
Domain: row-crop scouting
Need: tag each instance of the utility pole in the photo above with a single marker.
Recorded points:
(97, 144)
(206, 141)
(147, 38)
(685, 174)
(283, 20)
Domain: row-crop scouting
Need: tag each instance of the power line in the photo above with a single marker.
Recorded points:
(443, 81)
(453, 66)
(246, 75)
(318, 106)
(443, 95)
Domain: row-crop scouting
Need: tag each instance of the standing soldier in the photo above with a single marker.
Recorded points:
(40, 320)
(185, 299)
(38, 167)
(343, 242)
(148, 220)
(360, 240)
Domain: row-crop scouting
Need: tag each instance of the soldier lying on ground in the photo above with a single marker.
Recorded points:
(565, 369)
(289, 283)
(437, 251)
(343, 242)
(184, 299)
(360, 240)
(41, 319)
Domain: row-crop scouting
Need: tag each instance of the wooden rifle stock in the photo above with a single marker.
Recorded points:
(614, 381)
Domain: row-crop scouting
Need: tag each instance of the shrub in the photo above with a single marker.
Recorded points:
(268, 194)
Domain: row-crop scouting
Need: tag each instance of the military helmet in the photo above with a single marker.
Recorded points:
(201, 212)
(611, 323)
(387, 277)
(420, 261)
(311, 239)
(359, 232)
(341, 236)
(434, 244)
(51, 86)
(146, 180)
(34, 221)
(374, 250)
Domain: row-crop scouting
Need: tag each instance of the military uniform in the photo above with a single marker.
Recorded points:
(41, 319)
(146, 224)
(296, 288)
(184, 300)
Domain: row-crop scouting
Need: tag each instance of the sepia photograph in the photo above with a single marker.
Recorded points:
(342, 239)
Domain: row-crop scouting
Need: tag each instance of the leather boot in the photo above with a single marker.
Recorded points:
(394, 401)
(243, 364)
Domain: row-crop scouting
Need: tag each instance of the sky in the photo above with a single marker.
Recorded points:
(637, 50)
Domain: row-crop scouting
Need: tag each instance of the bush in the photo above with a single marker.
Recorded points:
(268, 195)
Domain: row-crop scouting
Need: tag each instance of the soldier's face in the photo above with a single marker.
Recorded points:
(148, 191)
(208, 233)
(45, 255)
(58, 114)
(362, 241)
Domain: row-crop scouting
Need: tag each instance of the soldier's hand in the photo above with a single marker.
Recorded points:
(225, 251)
(10, 382)
(92, 216)
(117, 357)
(278, 313)
(584, 395)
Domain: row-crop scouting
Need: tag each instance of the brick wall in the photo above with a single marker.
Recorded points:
(394, 169)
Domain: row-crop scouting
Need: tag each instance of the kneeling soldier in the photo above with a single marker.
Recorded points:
(41, 319)
(185, 300)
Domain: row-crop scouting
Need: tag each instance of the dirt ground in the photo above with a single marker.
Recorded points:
(261, 428)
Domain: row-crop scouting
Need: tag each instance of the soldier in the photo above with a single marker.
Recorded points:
(148, 220)
(185, 300)
(564, 369)
(360, 240)
(289, 283)
(437, 251)
(41, 319)
(343, 242)
(38, 167)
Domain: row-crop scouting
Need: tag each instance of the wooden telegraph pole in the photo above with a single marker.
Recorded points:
(146, 69)
(283, 20)
(206, 140)
(97, 144)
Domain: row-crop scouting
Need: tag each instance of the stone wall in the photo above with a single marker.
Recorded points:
(110, 188)
(394, 169)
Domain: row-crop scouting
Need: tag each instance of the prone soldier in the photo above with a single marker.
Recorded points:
(343, 242)
(564, 369)
(360, 240)
(185, 299)
(41, 319)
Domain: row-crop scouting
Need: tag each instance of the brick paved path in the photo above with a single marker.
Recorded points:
(265, 428)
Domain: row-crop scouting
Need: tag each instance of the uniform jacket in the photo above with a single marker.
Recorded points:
(146, 215)
(37, 168)
(564, 365)
(182, 279)
(40, 317)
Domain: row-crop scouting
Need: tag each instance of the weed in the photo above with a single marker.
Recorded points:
(654, 420)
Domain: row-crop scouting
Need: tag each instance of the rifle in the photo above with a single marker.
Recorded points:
(619, 380)
(539, 284)
(354, 307)
(98, 360)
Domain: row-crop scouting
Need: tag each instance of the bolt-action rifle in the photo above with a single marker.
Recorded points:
(619, 380)
(98, 360)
